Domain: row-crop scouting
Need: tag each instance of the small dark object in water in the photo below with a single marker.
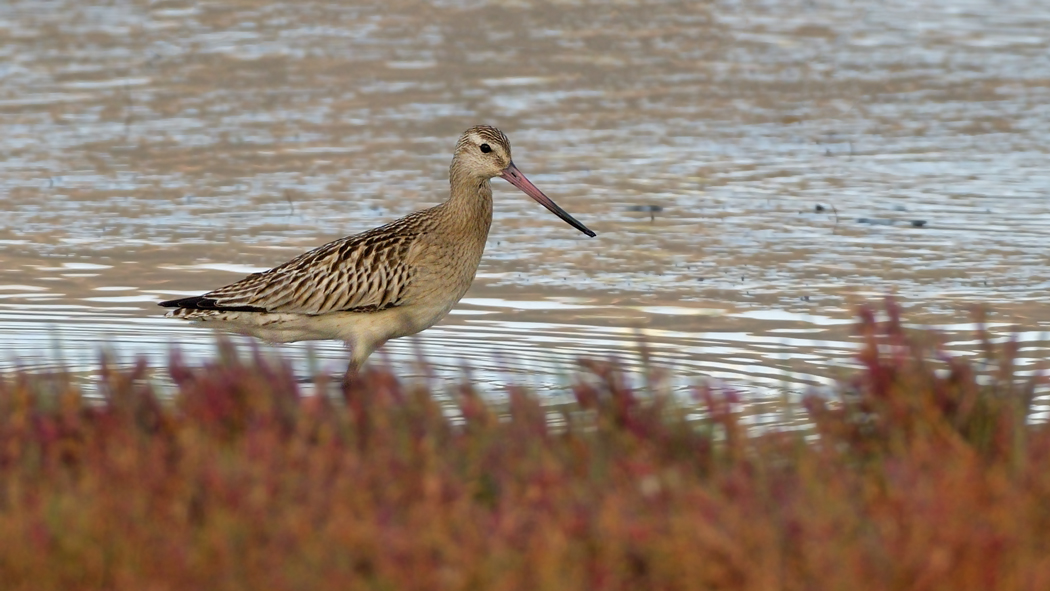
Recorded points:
(918, 223)
(652, 210)
(819, 208)
(645, 208)
(875, 221)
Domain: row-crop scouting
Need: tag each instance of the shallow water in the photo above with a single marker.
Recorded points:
(752, 169)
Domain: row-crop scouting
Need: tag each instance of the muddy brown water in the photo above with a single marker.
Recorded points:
(752, 169)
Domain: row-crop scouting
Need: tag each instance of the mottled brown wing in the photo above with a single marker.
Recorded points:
(366, 272)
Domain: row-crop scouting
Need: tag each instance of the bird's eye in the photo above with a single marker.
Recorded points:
(485, 149)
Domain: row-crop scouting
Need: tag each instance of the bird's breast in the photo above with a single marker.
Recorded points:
(444, 266)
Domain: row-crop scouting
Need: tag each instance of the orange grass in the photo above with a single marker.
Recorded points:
(909, 479)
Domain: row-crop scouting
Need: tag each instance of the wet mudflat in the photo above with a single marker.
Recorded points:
(752, 170)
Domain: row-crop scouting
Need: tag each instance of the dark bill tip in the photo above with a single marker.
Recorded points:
(514, 176)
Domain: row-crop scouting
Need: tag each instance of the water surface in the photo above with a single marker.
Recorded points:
(752, 169)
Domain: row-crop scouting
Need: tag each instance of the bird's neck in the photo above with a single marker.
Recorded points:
(470, 201)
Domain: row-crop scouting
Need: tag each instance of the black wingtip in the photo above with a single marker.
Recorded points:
(203, 303)
(194, 303)
(175, 303)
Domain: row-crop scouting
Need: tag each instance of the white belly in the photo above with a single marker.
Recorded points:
(362, 331)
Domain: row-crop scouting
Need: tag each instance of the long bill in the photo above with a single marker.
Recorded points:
(514, 177)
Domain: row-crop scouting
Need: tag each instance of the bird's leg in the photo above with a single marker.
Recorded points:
(359, 352)
(352, 376)
(360, 349)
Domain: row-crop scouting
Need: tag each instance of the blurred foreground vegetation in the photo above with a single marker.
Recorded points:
(923, 472)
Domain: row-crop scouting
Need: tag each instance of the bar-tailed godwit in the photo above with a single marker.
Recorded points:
(388, 282)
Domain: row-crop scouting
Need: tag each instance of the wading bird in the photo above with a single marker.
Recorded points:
(388, 282)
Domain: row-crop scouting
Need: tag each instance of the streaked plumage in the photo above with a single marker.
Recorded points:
(388, 282)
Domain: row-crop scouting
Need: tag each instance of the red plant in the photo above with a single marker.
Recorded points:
(919, 474)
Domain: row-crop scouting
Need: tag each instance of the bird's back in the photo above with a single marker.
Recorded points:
(365, 272)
